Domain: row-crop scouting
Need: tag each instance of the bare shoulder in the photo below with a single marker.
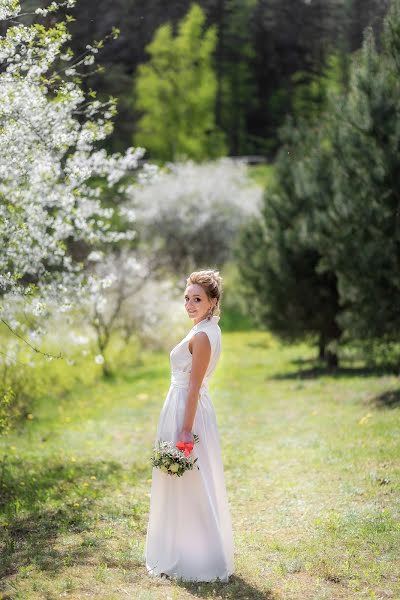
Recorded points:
(200, 342)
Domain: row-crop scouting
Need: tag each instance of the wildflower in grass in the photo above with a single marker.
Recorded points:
(364, 419)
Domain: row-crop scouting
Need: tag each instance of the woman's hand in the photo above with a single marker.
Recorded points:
(185, 436)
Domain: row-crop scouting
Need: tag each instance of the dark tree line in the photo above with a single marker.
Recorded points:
(261, 47)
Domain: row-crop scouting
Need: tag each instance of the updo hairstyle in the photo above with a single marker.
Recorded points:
(211, 282)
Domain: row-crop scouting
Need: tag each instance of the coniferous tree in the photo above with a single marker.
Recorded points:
(312, 90)
(331, 225)
(237, 90)
(278, 257)
(359, 232)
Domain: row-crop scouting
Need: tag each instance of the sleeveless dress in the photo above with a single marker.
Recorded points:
(189, 532)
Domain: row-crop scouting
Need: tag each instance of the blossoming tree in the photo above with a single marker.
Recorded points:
(52, 166)
(190, 213)
(120, 300)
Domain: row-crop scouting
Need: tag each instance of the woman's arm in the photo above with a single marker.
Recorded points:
(201, 353)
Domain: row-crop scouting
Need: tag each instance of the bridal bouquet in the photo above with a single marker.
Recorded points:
(174, 460)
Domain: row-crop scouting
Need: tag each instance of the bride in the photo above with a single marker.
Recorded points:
(189, 532)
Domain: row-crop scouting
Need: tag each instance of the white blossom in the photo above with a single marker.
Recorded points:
(38, 308)
(8, 8)
(95, 255)
(88, 60)
(80, 339)
(49, 157)
(191, 213)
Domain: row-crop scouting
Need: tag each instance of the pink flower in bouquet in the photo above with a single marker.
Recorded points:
(185, 447)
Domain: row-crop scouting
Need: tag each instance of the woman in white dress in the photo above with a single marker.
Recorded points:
(189, 532)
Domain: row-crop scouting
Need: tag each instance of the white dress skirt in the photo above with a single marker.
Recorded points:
(189, 532)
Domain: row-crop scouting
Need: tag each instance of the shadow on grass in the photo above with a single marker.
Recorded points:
(264, 344)
(31, 540)
(236, 589)
(389, 399)
(41, 502)
(317, 369)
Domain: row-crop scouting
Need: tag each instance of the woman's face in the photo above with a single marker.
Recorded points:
(197, 303)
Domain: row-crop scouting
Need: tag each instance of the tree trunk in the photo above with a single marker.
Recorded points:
(330, 358)
(107, 372)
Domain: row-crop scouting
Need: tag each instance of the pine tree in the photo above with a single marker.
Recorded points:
(359, 231)
(237, 91)
(278, 258)
(312, 91)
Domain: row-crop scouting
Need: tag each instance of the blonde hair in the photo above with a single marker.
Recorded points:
(211, 282)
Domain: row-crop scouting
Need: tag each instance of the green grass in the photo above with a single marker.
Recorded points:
(261, 174)
(311, 467)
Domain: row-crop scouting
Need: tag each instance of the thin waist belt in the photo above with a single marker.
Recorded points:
(181, 379)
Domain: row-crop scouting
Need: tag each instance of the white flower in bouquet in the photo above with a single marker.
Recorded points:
(174, 459)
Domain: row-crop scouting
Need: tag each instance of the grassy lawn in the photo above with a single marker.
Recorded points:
(311, 466)
(261, 174)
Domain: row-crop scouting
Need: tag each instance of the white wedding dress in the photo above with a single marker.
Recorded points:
(189, 532)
